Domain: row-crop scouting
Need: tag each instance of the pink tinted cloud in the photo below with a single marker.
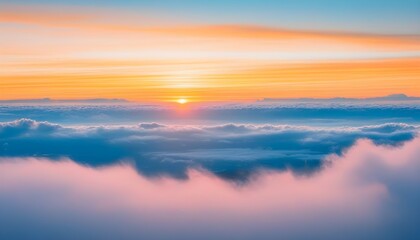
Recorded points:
(353, 191)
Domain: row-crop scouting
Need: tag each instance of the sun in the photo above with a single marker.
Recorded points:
(182, 101)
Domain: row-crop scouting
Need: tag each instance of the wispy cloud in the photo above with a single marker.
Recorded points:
(86, 19)
(211, 81)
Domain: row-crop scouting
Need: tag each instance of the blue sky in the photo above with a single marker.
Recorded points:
(376, 16)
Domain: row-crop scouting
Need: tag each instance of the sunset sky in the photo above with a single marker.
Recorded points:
(208, 50)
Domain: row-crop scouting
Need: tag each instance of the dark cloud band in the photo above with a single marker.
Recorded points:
(232, 151)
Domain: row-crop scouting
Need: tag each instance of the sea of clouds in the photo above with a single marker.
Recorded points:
(232, 151)
(368, 192)
(323, 113)
(268, 171)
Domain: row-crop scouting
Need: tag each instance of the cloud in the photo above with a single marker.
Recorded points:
(112, 34)
(24, 126)
(314, 113)
(150, 125)
(48, 101)
(389, 98)
(368, 192)
(85, 20)
(232, 151)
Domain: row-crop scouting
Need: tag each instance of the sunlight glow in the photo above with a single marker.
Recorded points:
(182, 101)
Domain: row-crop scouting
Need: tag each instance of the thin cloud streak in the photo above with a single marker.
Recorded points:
(209, 81)
(105, 23)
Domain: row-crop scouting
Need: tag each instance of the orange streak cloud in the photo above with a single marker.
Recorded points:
(99, 22)
(329, 79)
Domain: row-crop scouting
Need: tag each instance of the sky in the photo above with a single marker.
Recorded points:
(161, 51)
(389, 16)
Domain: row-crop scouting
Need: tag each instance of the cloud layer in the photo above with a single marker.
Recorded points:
(315, 113)
(232, 151)
(369, 192)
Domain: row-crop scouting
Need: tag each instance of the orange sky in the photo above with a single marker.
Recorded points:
(83, 55)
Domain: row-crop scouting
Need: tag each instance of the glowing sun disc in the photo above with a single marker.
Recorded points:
(182, 101)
